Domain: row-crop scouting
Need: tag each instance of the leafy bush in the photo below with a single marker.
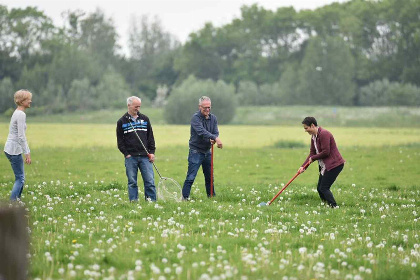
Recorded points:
(386, 93)
(183, 102)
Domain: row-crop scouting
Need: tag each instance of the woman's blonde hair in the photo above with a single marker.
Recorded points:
(21, 95)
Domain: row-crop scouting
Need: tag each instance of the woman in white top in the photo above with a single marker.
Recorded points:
(16, 143)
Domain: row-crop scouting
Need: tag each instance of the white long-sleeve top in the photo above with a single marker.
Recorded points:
(16, 143)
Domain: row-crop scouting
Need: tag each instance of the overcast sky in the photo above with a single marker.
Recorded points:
(180, 18)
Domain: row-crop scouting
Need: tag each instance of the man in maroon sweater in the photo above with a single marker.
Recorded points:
(325, 151)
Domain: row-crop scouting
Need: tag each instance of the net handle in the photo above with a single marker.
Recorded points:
(144, 147)
(211, 171)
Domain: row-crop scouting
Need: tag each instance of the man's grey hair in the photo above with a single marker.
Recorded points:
(203, 98)
(131, 99)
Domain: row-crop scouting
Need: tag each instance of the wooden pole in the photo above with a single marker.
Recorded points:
(13, 243)
(211, 172)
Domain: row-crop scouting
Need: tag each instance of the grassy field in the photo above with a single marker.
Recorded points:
(253, 137)
(330, 116)
(264, 115)
(83, 227)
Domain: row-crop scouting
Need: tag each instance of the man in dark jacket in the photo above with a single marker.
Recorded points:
(325, 151)
(130, 127)
(204, 133)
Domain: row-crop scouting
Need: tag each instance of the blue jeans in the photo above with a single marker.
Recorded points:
(17, 165)
(132, 165)
(195, 160)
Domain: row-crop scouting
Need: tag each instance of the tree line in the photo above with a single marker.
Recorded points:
(354, 53)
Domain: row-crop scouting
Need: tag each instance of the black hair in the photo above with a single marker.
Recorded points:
(309, 121)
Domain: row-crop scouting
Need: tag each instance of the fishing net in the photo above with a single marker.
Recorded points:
(169, 190)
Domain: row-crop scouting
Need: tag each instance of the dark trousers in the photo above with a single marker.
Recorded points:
(325, 182)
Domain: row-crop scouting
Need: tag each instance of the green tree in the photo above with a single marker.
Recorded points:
(264, 95)
(22, 36)
(9, 66)
(112, 90)
(289, 84)
(148, 38)
(27, 29)
(93, 33)
(402, 33)
(183, 102)
(163, 71)
(34, 79)
(264, 43)
(152, 51)
(51, 100)
(199, 57)
(81, 96)
(326, 73)
(73, 64)
(251, 48)
(358, 27)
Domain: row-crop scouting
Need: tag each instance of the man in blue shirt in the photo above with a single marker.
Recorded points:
(204, 133)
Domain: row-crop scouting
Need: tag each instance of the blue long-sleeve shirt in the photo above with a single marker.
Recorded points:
(202, 130)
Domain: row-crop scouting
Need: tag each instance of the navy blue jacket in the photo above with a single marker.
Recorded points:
(202, 130)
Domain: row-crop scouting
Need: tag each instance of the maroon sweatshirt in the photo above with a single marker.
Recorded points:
(327, 148)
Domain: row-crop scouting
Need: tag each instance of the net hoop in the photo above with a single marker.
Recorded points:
(169, 190)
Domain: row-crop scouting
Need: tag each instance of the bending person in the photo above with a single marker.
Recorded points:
(204, 133)
(16, 143)
(325, 151)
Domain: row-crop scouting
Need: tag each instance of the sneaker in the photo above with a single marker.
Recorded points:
(185, 199)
